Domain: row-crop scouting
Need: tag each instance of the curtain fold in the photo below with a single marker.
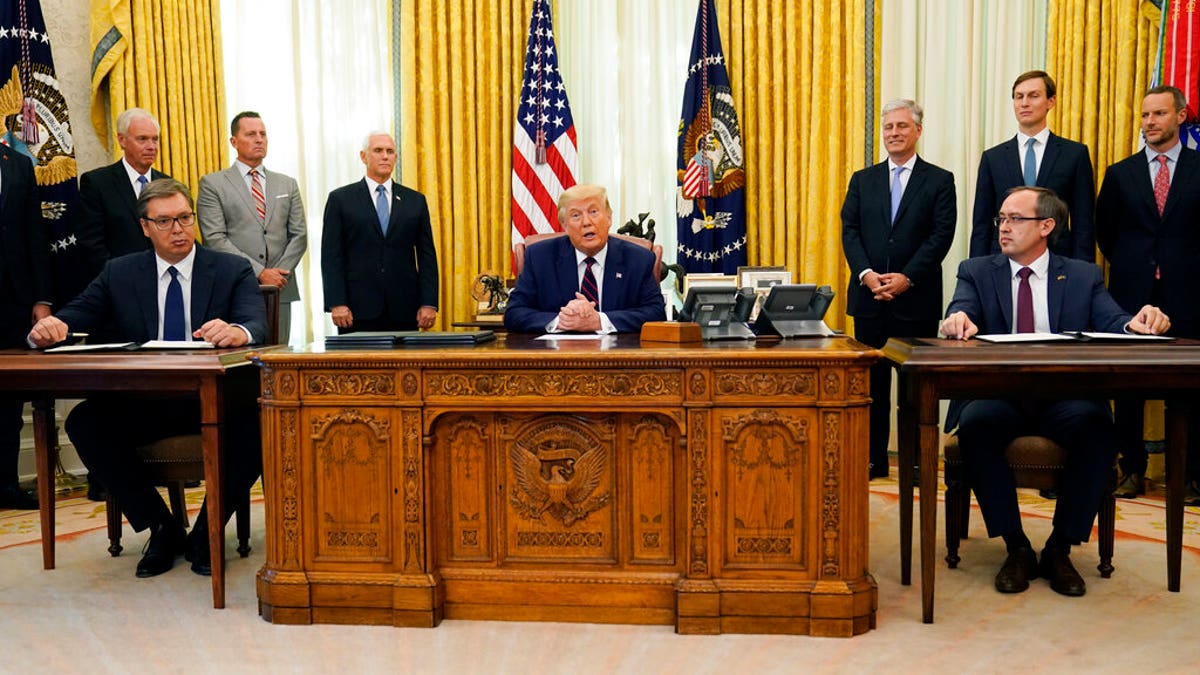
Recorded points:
(164, 56)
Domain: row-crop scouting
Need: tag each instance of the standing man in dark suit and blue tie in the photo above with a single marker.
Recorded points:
(178, 291)
(585, 282)
(897, 225)
(378, 260)
(1148, 226)
(25, 291)
(1025, 289)
(1036, 157)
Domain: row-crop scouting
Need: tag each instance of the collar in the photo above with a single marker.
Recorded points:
(244, 169)
(371, 185)
(133, 173)
(1040, 266)
(1172, 154)
(1042, 137)
(600, 256)
(912, 162)
(183, 266)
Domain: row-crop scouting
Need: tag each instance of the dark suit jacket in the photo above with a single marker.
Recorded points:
(24, 249)
(914, 246)
(370, 273)
(1075, 295)
(1066, 169)
(630, 296)
(1136, 240)
(108, 223)
(125, 296)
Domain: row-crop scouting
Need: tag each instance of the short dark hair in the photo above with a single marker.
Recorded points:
(162, 187)
(1051, 89)
(1180, 99)
(233, 126)
(1049, 205)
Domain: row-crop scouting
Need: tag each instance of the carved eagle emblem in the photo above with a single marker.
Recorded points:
(559, 480)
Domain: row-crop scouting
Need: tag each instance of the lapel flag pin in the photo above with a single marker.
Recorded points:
(618, 275)
(1060, 277)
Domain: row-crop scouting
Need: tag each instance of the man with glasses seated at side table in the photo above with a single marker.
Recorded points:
(1025, 289)
(179, 292)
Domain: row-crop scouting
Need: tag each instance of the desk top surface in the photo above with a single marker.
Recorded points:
(934, 354)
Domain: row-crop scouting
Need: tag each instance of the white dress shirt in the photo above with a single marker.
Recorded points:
(1039, 149)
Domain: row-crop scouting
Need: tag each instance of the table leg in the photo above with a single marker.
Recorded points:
(212, 437)
(906, 438)
(1177, 432)
(45, 458)
(927, 465)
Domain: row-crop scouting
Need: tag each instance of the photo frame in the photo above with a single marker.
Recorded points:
(708, 280)
(762, 279)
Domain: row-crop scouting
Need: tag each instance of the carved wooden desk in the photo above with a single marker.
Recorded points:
(211, 375)
(718, 488)
(932, 369)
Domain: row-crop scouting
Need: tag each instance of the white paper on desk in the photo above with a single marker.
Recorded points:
(1124, 336)
(92, 348)
(177, 344)
(1026, 337)
(571, 336)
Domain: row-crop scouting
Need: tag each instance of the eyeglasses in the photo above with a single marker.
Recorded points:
(168, 223)
(1000, 220)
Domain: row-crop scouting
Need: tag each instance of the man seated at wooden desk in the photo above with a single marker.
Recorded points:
(1024, 289)
(146, 297)
(585, 282)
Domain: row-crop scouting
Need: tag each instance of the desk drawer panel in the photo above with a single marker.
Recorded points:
(564, 385)
(751, 385)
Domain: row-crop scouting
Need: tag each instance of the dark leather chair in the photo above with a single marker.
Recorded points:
(1036, 462)
(171, 462)
(519, 249)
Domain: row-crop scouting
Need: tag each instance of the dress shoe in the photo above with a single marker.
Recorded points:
(1019, 567)
(1132, 485)
(13, 497)
(1048, 494)
(1191, 496)
(1056, 566)
(167, 541)
(197, 552)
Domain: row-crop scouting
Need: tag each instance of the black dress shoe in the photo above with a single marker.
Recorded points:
(197, 552)
(1056, 566)
(13, 497)
(1048, 494)
(1132, 485)
(1019, 567)
(1191, 495)
(167, 541)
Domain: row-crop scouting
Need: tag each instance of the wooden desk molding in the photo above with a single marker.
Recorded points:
(716, 488)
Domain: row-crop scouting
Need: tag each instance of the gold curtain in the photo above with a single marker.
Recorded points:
(164, 56)
(798, 76)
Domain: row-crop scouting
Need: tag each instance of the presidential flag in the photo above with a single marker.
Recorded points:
(544, 158)
(37, 125)
(711, 198)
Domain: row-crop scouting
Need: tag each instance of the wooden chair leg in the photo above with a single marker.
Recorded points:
(243, 527)
(113, 515)
(955, 493)
(1107, 524)
(178, 503)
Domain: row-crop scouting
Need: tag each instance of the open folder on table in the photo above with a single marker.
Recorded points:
(130, 346)
(1071, 336)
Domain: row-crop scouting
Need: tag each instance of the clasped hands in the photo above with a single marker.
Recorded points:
(1149, 320)
(886, 286)
(579, 315)
(51, 331)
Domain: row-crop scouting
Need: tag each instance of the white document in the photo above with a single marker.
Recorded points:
(177, 344)
(1026, 337)
(1124, 336)
(92, 348)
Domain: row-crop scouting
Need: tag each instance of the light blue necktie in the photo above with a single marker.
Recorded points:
(173, 323)
(141, 184)
(1030, 164)
(897, 191)
(381, 208)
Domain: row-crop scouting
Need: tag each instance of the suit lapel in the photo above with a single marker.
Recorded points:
(125, 189)
(146, 288)
(1185, 168)
(1010, 159)
(1002, 281)
(567, 268)
(1056, 286)
(614, 262)
(203, 278)
(1049, 157)
(394, 209)
(1140, 166)
(882, 178)
(238, 185)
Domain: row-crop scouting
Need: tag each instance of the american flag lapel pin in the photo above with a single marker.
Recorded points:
(618, 275)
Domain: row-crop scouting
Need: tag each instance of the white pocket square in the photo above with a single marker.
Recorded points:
(281, 196)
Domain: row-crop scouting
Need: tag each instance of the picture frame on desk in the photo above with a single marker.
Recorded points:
(762, 279)
(708, 280)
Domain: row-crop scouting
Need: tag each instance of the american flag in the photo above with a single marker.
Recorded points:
(544, 158)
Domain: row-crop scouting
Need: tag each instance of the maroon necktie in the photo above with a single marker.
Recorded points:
(1024, 302)
(588, 287)
(1162, 184)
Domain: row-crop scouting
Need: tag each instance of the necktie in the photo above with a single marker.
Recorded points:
(1024, 302)
(256, 191)
(1030, 163)
(588, 286)
(173, 324)
(897, 191)
(381, 208)
(141, 184)
(1162, 183)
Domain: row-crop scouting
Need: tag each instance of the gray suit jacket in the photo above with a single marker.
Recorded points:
(228, 222)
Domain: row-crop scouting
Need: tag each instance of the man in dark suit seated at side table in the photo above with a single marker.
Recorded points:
(179, 291)
(1025, 289)
(585, 282)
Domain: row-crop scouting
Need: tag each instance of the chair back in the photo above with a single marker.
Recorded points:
(271, 298)
(519, 249)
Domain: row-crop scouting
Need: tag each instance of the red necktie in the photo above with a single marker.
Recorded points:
(1024, 302)
(260, 203)
(1162, 184)
(588, 286)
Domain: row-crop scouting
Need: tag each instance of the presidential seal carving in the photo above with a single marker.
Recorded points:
(554, 475)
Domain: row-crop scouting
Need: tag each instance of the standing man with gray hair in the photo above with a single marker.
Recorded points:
(377, 255)
(247, 211)
(897, 226)
(108, 222)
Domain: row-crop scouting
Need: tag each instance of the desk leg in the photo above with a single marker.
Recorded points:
(45, 458)
(906, 438)
(927, 411)
(1177, 432)
(212, 437)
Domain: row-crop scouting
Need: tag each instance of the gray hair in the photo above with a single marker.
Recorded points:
(127, 117)
(162, 187)
(372, 134)
(913, 108)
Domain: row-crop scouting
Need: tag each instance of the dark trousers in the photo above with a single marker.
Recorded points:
(106, 430)
(1083, 428)
(874, 332)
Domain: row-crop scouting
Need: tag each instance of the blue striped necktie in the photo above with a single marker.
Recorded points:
(588, 287)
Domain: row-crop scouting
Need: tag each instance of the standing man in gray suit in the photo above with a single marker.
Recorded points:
(256, 214)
